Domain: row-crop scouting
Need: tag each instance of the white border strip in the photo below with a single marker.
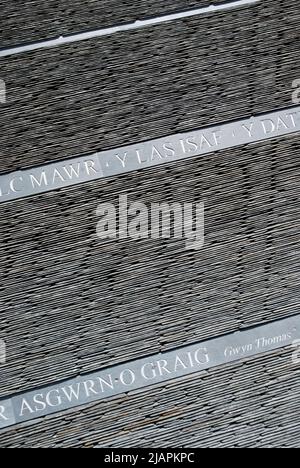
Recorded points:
(139, 156)
(126, 27)
(149, 371)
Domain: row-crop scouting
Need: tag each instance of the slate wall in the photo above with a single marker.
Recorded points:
(32, 20)
(71, 304)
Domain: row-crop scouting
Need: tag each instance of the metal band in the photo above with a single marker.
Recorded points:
(148, 371)
(143, 23)
(148, 154)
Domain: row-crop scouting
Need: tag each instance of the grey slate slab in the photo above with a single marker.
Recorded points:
(148, 371)
(70, 304)
(136, 86)
(144, 155)
(33, 20)
(247, 405)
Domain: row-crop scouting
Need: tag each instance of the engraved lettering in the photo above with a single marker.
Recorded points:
(271, 341)
(201, 356)
(162, 367)
(156, 154)
(71, 392)
(108, 384)
(179, 364)
(204, 142)
(38, 400)
(292, 116)
(159, 151)
(129, 375)
(25, 407)
(39, 182)
(89, 386)
(3, 192)
(169, 150)
(57, 174)
(281, 124)
(71, 171)
(190, 359)
(239, 350)
(53, 398)
(268, 126)
(182, 142)
(248, 130)
(140, 160)
(192, 145)
(148, 371)
(2, 415)
(13, 182)
(122, 159)
(217, 137)
(90, 167)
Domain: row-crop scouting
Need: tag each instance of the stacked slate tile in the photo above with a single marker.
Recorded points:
(72, 304)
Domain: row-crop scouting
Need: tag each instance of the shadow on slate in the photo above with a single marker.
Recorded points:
(71, 304)
(30, 21)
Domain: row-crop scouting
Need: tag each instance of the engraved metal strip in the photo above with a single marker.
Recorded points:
(139, 24)
(148, 371)
(148, 154)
